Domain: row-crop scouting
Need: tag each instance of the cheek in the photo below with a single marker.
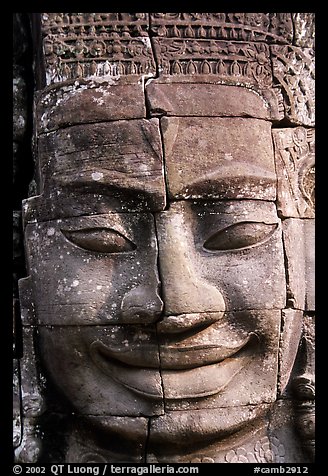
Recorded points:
(254, 279)
(73, 287)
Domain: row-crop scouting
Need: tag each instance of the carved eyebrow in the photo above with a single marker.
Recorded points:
(251, 172)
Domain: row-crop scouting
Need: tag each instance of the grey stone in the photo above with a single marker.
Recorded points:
(112, 164)
(96, 382)
(89, 101)
(240, 367)
(197, 97)
(299, 246)
(291, 333)
(104, 270)
(217, 256)
(179, 436)
(108, 440)
(220, 158)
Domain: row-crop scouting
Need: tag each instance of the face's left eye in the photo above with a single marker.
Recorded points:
(241, 235)
(101, 240)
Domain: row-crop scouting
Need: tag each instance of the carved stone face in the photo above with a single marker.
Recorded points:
(160, 307)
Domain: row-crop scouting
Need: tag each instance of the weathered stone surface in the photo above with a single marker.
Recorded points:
(304, 29)
(31, 380)
(89, 101)
(291, 333)
(245, 377)
(309, 252)
(282, 432)
(98, 168)
(269, 27)
(299, 243)
(295, 165)
(95, 382)
(108, 440)
(200, 97)
(294, 71)
(17, 420)
(217, 256)
(26, 300)
(179, 436)
(103, 270)
(235, 63)
(165, 298)
(211, 157)
(88, 45)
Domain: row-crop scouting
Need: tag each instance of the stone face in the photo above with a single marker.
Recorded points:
(89, 101)
(168, 310)
(299, 243)
(177, 97)
(295, 165)
(217, 256)
(92, 380)
(104, 270)
(218, 158)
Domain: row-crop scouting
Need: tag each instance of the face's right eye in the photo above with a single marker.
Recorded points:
(101, 240)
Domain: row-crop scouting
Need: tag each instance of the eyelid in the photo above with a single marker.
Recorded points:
(100, 240)
(240, 236)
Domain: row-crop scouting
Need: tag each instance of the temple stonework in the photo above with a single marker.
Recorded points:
(165, 309)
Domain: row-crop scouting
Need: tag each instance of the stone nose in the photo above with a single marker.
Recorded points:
(141, 305)
(184, 290)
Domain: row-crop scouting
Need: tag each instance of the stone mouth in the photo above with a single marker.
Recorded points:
(178, 373)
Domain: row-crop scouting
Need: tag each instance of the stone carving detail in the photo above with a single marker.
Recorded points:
(88, 45)
(294, 155)
(169, 243)
(293, 70)
(237, 62)
(269, 27)
(265, 451)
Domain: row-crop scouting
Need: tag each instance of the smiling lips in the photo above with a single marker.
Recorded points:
(195, 366)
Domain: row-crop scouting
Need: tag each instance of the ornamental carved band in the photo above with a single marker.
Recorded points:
(166, 308)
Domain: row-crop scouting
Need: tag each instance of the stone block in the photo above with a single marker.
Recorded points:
(120, 161)
(291, 333)
(94, 270)
(217, 256)
(299, 244)
(202, 98)
(89, 101)
(93, 374)
(210, 157)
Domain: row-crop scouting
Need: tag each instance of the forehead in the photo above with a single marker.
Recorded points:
(135, 164)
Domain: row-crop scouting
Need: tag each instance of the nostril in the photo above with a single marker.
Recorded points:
(141, 305)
